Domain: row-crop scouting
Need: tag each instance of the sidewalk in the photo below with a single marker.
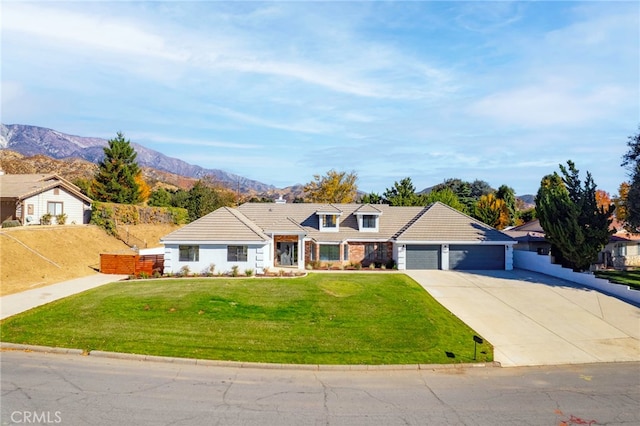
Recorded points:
(13, 304)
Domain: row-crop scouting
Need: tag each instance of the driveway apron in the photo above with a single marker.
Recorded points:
(535, 319)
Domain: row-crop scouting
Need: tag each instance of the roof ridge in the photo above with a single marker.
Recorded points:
(412, 221)
(246, 222)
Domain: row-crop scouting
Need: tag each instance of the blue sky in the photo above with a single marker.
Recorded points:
(280, 91)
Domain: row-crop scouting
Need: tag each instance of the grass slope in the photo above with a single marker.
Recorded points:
(318, 319)
(630, 278)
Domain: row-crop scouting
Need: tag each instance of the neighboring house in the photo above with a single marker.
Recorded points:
(623, 249)
(259, 236)
(27, 197)
(530, 237)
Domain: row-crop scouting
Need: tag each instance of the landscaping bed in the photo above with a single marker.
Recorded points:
(321, 318)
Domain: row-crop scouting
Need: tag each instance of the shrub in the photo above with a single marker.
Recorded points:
(185, 271)
(157, 274)
(45, 219)
(61, 219)
(372, 265)
(248, 272)
(211, 269)
(10, 223)
(234, 271)
(391, 264)
(309, 266)
(358, 266)
(143, 275)
(383, 266)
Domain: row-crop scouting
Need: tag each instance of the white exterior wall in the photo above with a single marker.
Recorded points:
(72, 206)
(400, 256)
(532, 261)
(258, 258)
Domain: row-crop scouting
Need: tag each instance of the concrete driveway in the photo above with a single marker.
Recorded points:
(535, 319)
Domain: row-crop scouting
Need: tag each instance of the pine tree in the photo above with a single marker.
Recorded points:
(572, 221)
(403, 193)
(115, 180)
(631, 160)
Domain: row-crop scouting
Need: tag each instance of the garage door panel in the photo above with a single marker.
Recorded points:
(470, 257)
(423, 257)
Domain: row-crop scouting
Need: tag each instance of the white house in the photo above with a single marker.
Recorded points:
(28, 197)
(264, 235)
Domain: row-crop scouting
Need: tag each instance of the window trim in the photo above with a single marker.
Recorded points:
(326, 257)
(55, 212)
(368, 219)
(192, 253)
(236, 255)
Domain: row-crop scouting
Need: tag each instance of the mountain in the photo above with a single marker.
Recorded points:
(32, 141)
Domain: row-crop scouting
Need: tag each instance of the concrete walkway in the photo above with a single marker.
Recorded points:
(13, 304)
(535, 319)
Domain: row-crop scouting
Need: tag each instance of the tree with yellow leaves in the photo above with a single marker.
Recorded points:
(334, 187)
(492, 211)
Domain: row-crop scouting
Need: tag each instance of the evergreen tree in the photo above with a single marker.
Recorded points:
(631, 160)
(403, 193)
(572, 221)
(160, 198)
(205, 197)
(373, 198)
(115, 180)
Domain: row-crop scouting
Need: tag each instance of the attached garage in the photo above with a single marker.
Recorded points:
(470, 257)
(423, 257)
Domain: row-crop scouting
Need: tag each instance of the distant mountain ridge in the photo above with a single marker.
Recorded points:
(33, 140)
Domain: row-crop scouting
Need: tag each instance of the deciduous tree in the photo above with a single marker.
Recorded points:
(205, 196)
(569, 214)
(508, 195)
(492, 211)
(115, 180)
(445, 196)
(334, 187)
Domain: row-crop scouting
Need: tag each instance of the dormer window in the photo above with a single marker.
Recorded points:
(369, 221)
(328, 217)
(329, 221)
(368, 218)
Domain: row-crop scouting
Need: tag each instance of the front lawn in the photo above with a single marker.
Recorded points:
(318, 319)
(630, 278)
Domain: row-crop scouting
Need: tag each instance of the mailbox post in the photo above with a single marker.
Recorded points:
(476, 340)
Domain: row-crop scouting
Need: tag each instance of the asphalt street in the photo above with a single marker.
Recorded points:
(85, 390)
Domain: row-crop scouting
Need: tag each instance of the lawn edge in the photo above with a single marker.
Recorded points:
(5, 346)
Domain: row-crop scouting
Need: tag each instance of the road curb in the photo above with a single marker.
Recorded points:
(36, 348)
(239, 364)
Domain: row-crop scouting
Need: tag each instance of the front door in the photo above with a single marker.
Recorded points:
(287, 254)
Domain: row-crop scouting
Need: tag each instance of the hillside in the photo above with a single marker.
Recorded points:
(33, 140)
(33, 257)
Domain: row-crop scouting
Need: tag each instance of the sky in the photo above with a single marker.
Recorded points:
(281, 91)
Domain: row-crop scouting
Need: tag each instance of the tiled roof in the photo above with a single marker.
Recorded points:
(367, 209)
(27, 185)
(435, 223)
(439, 222)
(224, 224)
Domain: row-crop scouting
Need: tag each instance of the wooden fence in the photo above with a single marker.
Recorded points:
(131, 264)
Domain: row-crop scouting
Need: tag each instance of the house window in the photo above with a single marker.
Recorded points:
(189, 253)
(30, 209)
(237, 253)
(621, 249)
(54, 208)
(329, 252)
(369, 221)
(329, 221)
(374, 251)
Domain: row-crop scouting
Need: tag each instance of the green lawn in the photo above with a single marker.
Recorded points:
(630, 278)
(318, 319)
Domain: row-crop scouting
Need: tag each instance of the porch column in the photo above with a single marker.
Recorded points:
(301, 253)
